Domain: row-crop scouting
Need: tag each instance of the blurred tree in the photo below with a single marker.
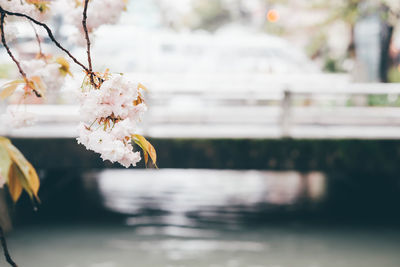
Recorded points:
(211, 14)
(351, 12)
(320, 23)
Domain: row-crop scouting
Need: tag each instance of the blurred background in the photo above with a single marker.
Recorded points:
(277, 127)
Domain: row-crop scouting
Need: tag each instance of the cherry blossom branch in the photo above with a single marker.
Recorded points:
(87, 34)
(49, 33)
(5, 249)
(85, 29)
(3, 40)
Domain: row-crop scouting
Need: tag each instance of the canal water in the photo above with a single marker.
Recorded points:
(203, 218)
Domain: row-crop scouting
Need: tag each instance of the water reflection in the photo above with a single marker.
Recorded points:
(187, 197)
(199, 218)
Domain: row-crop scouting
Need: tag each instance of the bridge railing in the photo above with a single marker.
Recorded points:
(246, 106)
(305, 108)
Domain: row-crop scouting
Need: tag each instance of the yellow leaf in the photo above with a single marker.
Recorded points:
(141, 86)
(147, 147)
(26, 185)
(30, 183)
(139, 99)
(64, 66)
(36, 1)
(78, 3)
(126, 4)
(33, 181)
(28, 179)
(38, 83)
(14, 185)
(145, 154)
(41, 5)
(5, 161)
(17, 157)
(35, 83)
(9, 88)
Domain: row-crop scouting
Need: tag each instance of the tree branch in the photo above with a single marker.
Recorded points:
(87, 34)
(3, 40)
(85, 29)
(5, 249)
(49, 33)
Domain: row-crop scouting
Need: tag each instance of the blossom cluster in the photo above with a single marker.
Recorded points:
(99, 12)
(110, 113)
(45, 75)
(110, 105)
(39, 10)
(50, 71)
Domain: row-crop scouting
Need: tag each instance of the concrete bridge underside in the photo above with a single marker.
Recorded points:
(342, 155)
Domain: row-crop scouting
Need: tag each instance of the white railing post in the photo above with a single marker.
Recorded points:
(286, 113)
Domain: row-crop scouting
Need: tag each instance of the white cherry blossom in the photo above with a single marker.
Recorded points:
(111, 117)
(49, 73)
(28, 8)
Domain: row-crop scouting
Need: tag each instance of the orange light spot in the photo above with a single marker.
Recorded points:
(272, 16)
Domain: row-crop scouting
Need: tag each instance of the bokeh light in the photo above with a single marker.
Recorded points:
(273, 16)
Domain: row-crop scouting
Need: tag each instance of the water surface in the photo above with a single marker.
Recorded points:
(178, 218)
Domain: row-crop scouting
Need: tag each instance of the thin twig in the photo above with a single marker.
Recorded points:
(85, 29)
(5, 249)
(37, 39)
(3, 40)
(49, 33)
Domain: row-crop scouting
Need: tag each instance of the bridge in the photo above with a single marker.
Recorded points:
(315, 122)
(239, 123)
(246, 106)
